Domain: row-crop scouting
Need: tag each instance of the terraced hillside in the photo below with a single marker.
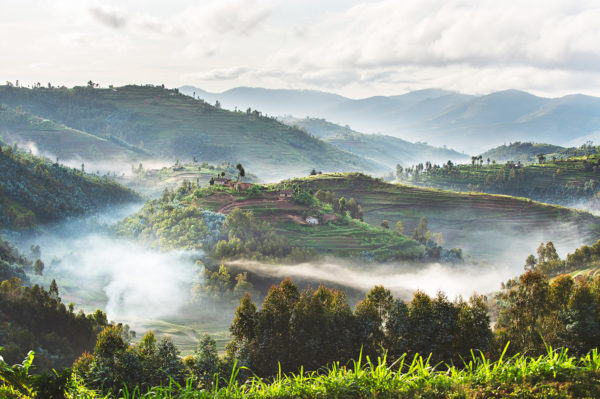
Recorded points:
(567, 181)
(285, 218)
(52, 139)
(487, 226)
(386, 150)
(174, 126)
(34, 190)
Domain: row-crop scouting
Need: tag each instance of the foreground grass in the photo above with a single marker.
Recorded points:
(554, 375)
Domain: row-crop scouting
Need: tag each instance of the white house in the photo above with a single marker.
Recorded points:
(312, 220)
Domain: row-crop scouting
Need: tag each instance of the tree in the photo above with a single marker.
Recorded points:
(421, 233)
(241, 171)
(313, 172)
(399, 171)
(541, 158)
(530, 262)
(38, 267)
(399, 227)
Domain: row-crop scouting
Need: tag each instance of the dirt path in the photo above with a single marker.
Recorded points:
(229, 207)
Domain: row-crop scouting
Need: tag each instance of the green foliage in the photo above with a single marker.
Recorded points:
(34, 190)
(315, 327)
(538, 312)
(115, 364)
(33, 318)
(250, 238)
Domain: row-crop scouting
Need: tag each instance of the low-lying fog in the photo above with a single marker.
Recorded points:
(132, 282)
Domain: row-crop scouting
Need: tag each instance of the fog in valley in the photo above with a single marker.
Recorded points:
(133, 283)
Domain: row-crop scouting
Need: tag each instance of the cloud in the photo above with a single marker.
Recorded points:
(109, 16)
(549, 34)
(219, 74)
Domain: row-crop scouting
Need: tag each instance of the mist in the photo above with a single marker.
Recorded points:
(402, 279)
(96, 270)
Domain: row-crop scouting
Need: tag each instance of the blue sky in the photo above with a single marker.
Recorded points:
(355, 48)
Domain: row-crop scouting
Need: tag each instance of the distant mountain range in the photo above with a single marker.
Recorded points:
(465, 122)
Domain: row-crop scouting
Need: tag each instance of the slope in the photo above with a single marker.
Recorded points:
(172, 125)
(569, 181)
(55, 140)
(386, 150)
(34, 190)
(494, 227)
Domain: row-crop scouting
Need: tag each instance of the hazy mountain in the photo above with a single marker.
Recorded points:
(466, 122)
(171, 126)
(387, 150)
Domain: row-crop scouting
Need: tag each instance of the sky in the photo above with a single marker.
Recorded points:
(354, 48)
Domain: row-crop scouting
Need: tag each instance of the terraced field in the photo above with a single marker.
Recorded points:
(562, 181)
(487, 226)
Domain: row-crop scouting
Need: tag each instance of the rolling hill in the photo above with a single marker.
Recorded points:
(386, 150)
(466, 122)
(568, 181)
(171, 126)
(34, 190)
(52, 139)
(494, 227)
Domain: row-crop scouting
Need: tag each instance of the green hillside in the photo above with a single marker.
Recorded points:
(275, 230)
(481, 223)
(385, 150)
(57, 140)
(34, 190)
(568, 181)
(523, 152)
(174, 126)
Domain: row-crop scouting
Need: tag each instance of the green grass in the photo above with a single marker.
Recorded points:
(351, 239)
(554, 375)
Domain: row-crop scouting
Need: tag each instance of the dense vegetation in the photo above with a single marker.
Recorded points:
(33, 318)
(171, 125)
(562, 181)
(34, 190)
(295, 333)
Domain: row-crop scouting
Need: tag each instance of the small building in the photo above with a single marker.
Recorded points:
(285, 193)
(223, 181)
(242, 186)
(312, 220)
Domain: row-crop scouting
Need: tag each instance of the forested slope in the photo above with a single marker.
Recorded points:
(34, 190)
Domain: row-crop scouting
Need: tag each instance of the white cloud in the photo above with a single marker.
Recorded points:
(355, 48)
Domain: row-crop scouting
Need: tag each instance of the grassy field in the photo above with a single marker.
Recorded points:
(171, 125)
(486, 225)
(554, 375)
